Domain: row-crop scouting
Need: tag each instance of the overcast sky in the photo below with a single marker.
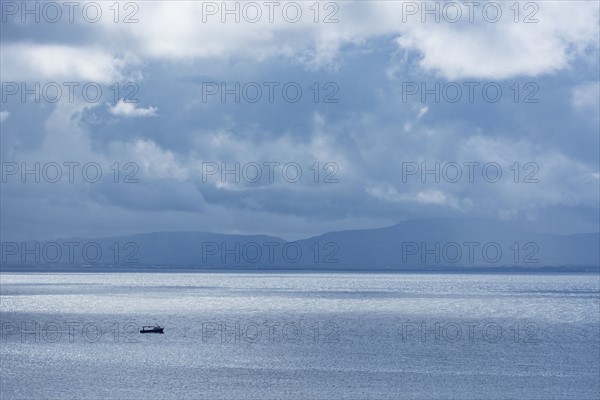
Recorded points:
(361, 116)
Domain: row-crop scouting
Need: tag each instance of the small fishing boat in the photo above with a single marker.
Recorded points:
(152, 329)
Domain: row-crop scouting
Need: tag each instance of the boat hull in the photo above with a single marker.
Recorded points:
(152, 330)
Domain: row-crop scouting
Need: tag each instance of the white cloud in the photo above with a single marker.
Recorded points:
(587, 96)
(505, 49)
(408, 126)
(34, 62)
(175, 31)
(4, 115)
(432, 197)
(477, 50)
(389, 193)
(554, 178)
(154, 162)
(124, 109)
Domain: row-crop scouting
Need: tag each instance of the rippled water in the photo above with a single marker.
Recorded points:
(261, 336)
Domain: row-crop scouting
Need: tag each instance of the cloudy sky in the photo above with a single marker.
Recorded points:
(298, 118)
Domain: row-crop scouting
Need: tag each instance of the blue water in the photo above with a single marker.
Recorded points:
(326, 336)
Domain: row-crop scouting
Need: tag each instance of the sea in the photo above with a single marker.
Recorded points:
(280, 335)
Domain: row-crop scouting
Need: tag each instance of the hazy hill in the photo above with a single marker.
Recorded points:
(438, 244)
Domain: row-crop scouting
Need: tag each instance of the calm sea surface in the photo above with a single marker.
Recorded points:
(325, 336)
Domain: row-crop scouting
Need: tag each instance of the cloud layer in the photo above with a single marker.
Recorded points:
(354, 133)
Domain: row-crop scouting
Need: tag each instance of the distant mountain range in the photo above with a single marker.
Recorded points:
(415, 245)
